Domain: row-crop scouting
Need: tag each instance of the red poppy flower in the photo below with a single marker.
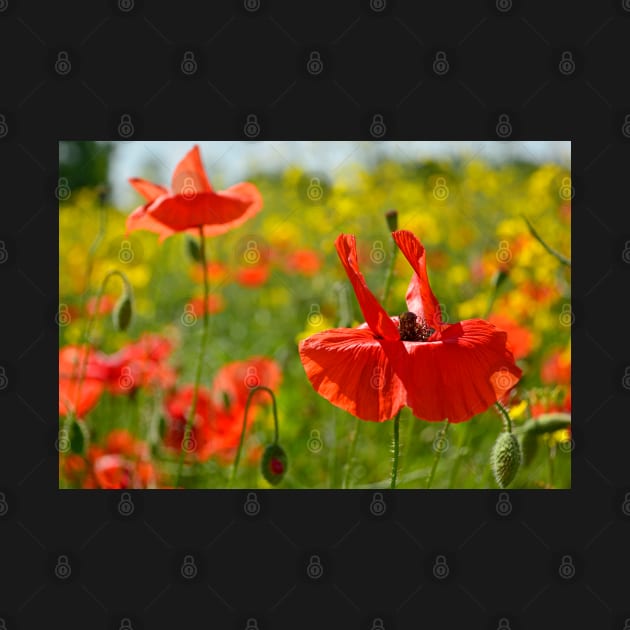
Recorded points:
(79, 393)
(452, 371)
(191, 202)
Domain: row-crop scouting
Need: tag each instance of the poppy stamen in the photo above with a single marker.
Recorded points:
(413, 330)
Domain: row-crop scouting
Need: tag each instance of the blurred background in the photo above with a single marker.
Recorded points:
(468, 202)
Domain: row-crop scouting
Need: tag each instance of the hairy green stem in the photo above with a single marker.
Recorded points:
(438, 454)
(351, 451)
(507, 422)
(252, 391)
(202, 351)
(396, 450)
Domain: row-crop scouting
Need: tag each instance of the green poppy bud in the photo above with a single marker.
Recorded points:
(274, 464)
(193, 249)
(122, 312)
(392, 220)
(505, 459)
(546, 423)
(78, 437)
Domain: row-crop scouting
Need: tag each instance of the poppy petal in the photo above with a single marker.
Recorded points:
(181, 212)
(349, 368)
(246, 197)
(189, 177)
(459, 376)
(377, 319)
(78, 397)
(147, 189)
(141, 219)
(420, 298)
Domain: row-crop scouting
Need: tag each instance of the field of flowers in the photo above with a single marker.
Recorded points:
(171, 334)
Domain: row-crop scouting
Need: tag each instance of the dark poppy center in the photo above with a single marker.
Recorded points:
(413, 328)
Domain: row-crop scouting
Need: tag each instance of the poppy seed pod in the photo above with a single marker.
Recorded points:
(505, 459)
(122, 312)
(274, 464)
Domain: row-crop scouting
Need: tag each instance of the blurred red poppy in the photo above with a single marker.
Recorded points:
(519, 338)
(121, 462)
(216, 271)
(556, 370)
(191, 202)
(218, 421)
(79, 393)
(214, 429)
(304, 261)
(549, 402)
(215, 304)
(106, 305)
(452, 371)
(233, 382)
(252, 276)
